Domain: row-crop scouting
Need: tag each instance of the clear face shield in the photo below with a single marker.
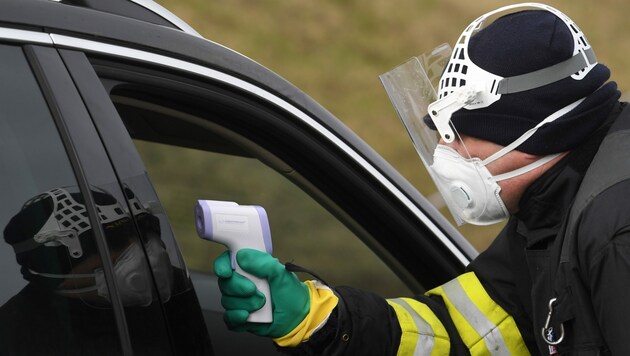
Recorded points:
(431, 87)
(411, 88)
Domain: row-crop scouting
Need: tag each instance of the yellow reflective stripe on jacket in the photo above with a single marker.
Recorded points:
(485, 327)
(422, 331)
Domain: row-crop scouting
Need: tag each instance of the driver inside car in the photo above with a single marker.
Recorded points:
(66, 306)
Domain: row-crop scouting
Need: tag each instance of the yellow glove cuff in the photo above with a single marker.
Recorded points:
(323, 301)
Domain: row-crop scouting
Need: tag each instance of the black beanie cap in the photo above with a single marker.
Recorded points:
(520, 43)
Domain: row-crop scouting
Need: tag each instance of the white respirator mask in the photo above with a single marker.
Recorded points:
(470, 189)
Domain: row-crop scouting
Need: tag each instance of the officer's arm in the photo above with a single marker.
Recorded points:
(457, 318)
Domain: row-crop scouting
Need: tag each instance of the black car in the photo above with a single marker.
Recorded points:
(115, 116)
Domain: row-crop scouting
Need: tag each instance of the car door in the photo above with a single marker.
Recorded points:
(36, 159)
(184, 327)
(204, 134)
(67, 224)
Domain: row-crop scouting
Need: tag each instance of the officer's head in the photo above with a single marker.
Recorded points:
(520, 44)
(520, 88)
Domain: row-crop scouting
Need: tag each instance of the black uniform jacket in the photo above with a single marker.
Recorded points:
(510, 269)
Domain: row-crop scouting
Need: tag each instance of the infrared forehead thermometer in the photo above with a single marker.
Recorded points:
(237, 227)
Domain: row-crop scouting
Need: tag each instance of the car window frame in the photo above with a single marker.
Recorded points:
(113, 133)
(422, 229)
(126, 164)
(69, 114)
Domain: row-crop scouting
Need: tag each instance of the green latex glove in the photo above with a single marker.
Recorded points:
(290, 297)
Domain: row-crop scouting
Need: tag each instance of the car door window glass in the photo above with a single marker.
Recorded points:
(49, 303)
(191, 150)
(302, 230)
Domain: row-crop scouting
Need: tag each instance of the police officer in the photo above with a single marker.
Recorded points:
(521, 123)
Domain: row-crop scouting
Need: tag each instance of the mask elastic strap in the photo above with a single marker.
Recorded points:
(525, 169)
(530, 132)
(62, 276)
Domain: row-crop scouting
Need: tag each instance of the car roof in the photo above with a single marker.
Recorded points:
(145, 30)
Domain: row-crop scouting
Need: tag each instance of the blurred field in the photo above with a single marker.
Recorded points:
(334, 50)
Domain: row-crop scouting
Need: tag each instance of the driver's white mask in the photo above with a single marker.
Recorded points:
(133, 279)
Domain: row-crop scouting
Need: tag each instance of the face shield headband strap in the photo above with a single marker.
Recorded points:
(66, 223)
(441, 110)
(479, 88)
(551, 74)
(529, 133)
